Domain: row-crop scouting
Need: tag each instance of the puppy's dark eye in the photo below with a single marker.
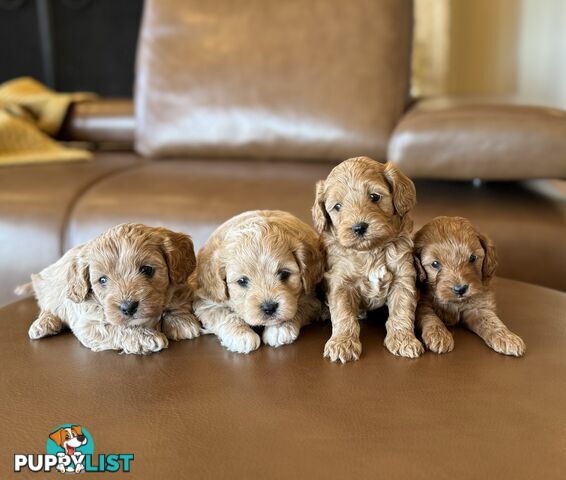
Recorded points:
(147, 270)
(435, 265)
(284, 274)
(375, 197)
(103, 280)
(473, 258)
(337, 207)
(243, 282)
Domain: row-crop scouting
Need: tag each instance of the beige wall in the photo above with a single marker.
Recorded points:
(495, 47)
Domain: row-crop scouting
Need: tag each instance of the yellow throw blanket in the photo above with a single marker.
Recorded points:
(29, 114)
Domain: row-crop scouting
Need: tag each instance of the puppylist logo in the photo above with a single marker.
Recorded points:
(70, 449)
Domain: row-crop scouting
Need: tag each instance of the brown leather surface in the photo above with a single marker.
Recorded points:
(299, 79)
(101, 121)
(462, 140)
(35, 202)
(527, 223)
(199, 411)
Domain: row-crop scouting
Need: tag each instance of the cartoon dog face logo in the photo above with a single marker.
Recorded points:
(69, 439)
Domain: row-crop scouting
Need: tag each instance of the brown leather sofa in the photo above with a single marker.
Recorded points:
(244, 105)
(247, 124)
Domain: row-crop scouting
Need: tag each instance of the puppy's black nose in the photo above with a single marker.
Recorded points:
(460, 289)
(360, 228)
(269, 308)
(129, 308)
(80, 438)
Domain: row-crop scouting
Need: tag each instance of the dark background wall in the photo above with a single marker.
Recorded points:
(71, 45)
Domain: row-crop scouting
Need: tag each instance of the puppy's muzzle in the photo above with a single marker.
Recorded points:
(269, 307)
(129, 307)
(360, 228)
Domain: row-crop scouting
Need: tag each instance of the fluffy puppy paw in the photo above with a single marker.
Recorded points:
(177, 327)
(343, 348)
(404, 344)
(438, 339)
(46, 324)
(144, 341)
(37, 330)
(507, 343)
(282, 334)
(244, 341)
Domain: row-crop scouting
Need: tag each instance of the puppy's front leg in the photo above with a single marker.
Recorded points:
(487, 325)
(344, 345)
(102, 336)
(180, 324)
(46, 324)
(436, 336)
(308, 310)
(233, 332)
(400, 339)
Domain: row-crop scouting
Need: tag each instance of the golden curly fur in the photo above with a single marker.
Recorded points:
(259, 269)
(362, 212)
(455, 264)
(114, 291)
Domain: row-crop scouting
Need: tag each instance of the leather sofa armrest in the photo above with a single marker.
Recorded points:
(104, 122)
(467, 138)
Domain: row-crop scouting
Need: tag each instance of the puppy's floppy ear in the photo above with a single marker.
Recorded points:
(402, 187)
(421, 272)
(78, 281)
(179, 254)
(77, 429)
(321, 219)
(310, 258)
(58, 436)
(211, 274)
(490, 260)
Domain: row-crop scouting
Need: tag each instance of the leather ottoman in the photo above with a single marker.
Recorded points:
(198, 411)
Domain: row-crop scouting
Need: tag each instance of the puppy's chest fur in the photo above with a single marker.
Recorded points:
(375, 284)
(452, 313)
(367, 272)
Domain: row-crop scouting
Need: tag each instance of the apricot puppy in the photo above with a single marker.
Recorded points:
(455, 265)
(116, 291)
(362, 212)
(259, 269)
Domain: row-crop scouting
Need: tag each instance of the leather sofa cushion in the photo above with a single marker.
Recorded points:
(467, 139)
(263, 78)
(107, 122)
(196, 410)
(35, 204)
(528, 225)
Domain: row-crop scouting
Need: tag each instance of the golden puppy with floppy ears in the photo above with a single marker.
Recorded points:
(361, 210)
(259, 269)
(114, 291)
(455, 265)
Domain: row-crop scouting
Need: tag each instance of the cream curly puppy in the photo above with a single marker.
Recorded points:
(362, 212)
(259, 269)
(455, 264)
(116, 291)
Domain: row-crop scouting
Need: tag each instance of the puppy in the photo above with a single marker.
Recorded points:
(114, 291)
(259, 269)
(455, 264)
(362, 212)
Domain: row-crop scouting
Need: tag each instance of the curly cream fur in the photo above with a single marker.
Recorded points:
(69, 293)
(375, 269)
(258, 246)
